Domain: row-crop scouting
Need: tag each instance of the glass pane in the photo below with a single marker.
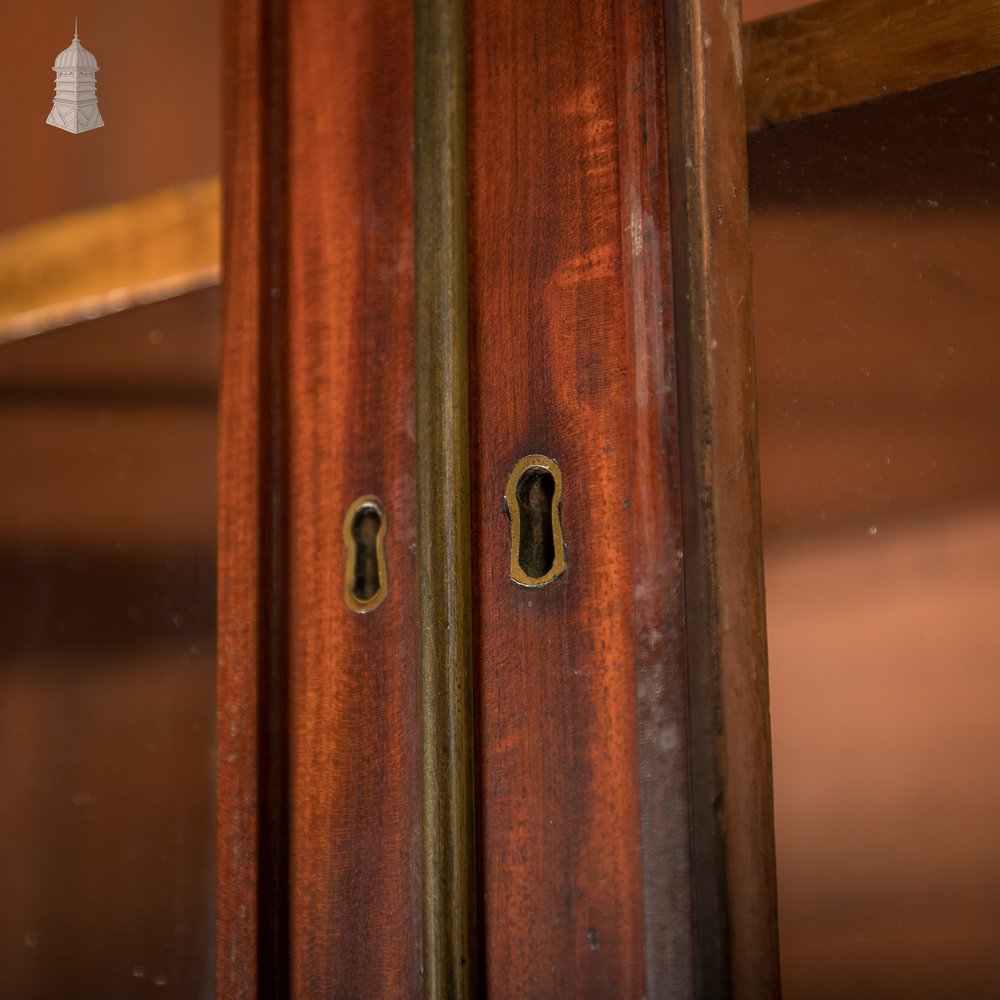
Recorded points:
(107, 584)
(157, 88)
(876, 237)
(107, 503)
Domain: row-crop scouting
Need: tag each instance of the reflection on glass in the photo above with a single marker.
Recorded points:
(107, 508)
(159, 96)
(876, 237)
(107, 580)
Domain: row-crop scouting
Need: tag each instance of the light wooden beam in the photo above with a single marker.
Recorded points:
(839, 53)
(83, 265)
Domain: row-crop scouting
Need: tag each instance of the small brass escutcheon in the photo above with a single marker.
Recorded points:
(537, 547)
(365, 579)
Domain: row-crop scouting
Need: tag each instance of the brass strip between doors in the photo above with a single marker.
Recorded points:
(443, 512)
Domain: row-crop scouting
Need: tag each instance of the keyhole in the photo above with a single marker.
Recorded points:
(537, 549)
(364, 529)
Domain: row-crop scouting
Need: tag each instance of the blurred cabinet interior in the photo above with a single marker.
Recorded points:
(109, 325)
(875, 235)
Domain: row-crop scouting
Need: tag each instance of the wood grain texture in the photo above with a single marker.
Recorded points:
(88, 264)
(319, 802)
(590, 882)
(655, 501)
(581, 693)
(355, 761)
(241, 628)
(734, 898)
(840, 53)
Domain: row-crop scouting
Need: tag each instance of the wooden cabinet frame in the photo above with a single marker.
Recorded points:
(676, 895)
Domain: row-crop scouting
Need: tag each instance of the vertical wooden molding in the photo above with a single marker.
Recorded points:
(583, 709)
(319, 812)
(252, 865)
(661, 684)
(354, 835)
(443, 518)
(734, 890)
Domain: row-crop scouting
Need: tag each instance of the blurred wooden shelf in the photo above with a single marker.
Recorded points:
(88, 264)
(840, 53)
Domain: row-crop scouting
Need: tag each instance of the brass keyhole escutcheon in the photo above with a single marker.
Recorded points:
(365, 580)
(537, 547)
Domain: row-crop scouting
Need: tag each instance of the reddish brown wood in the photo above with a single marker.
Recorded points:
(355, 868)
(655, 501)
(240, 629)
(318, 732)
(582, 700)
(591, 774)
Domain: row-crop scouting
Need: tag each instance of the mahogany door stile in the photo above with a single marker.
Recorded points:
(248, 900)
(355, 833)
(340, 227)
(582, 740)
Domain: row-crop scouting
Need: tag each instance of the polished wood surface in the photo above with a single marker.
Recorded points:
(839, 53)
(734, 878)
(583, 700)
(317, 411)
(81, 265)
(243, 529)
(654, 499)
(559, 800)
(589, 881)
(355, 840)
